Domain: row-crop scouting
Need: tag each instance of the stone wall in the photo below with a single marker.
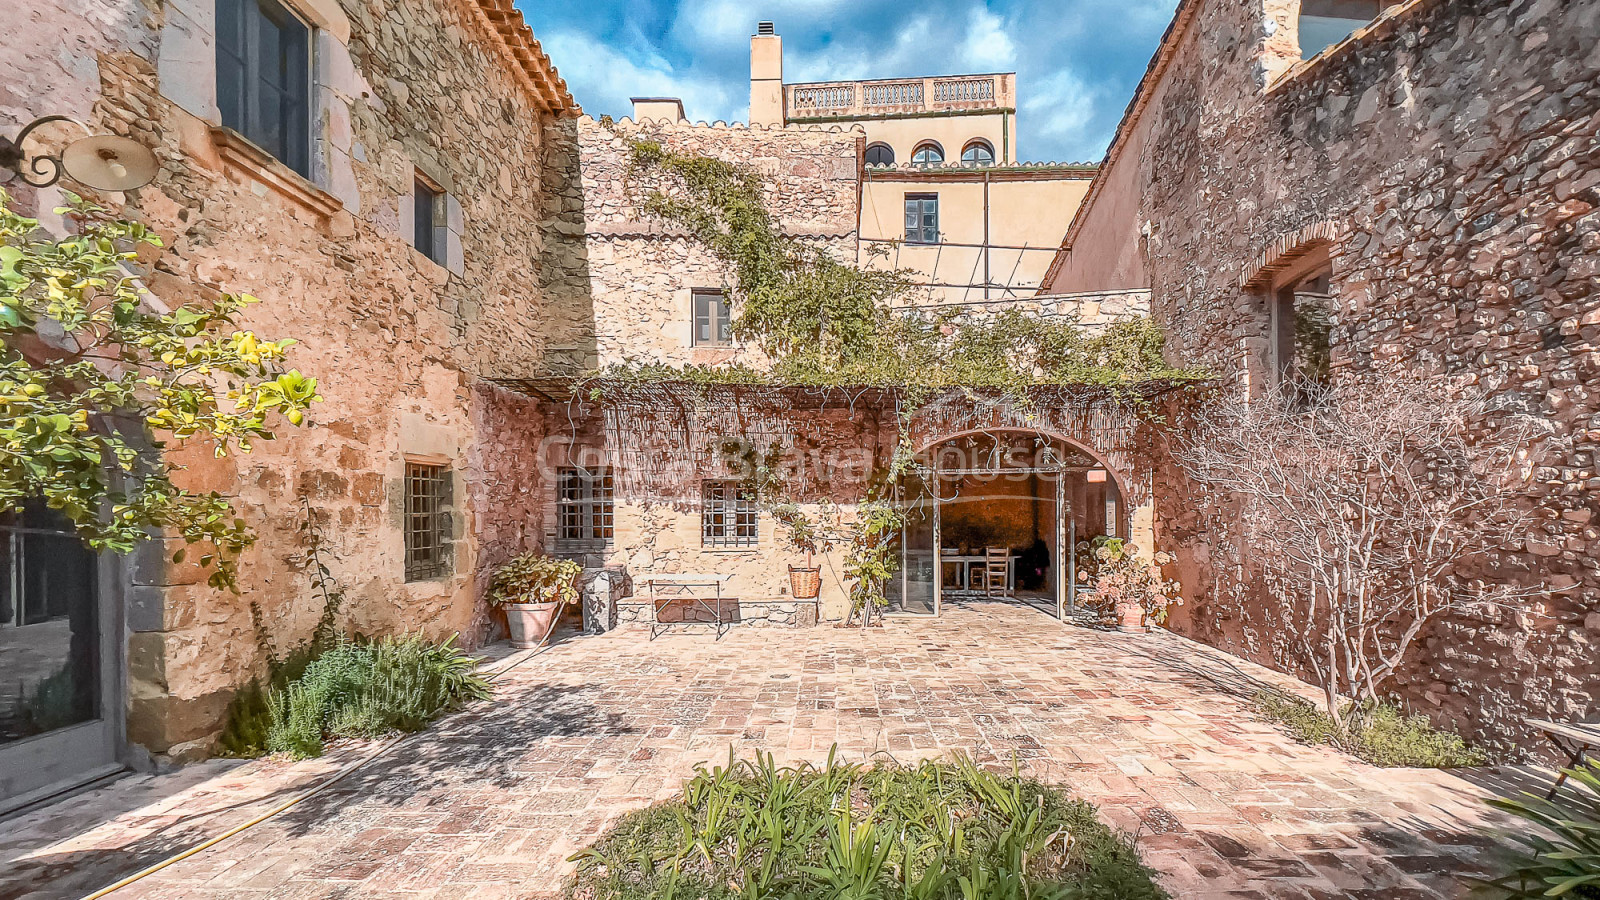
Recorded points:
(626, 295)
(1447, 157)
(396, 340)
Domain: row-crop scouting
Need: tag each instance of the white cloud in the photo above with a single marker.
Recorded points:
(987, 47)
(1059, 108)
(603, 78)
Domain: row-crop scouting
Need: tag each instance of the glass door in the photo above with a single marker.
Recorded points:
(57, 657)
(919, 555)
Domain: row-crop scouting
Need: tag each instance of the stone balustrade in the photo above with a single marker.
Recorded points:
(858, 99)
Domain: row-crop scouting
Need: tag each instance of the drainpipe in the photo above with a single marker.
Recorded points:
(1005, 137)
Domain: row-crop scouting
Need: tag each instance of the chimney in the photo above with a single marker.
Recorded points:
(658, 109)
(766, 76)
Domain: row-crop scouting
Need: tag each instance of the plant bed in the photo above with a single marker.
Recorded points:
(936, 830)
(1555, 849)
(1381, 734)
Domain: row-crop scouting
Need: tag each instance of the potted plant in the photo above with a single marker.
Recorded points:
(1132, 589)
(805, 583)
(532, 588)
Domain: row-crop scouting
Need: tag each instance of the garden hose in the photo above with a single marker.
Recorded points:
(383, 749)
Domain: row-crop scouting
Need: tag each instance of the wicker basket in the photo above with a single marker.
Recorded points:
(805, 584)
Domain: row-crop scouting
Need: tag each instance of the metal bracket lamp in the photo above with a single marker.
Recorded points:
(105, 162)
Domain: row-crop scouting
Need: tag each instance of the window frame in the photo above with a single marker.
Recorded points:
(433, 245)
(730, 518)
(297, 112)
(1283, 335)
(427, 498)
(918, 233)
(924, 147)
(1334, 23)
(977, 144)
(718, 318)
(585, 507)
(878, 145)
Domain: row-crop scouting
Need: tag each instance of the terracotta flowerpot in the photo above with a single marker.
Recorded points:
(1130, 616)
(529, 622)
(805, 584)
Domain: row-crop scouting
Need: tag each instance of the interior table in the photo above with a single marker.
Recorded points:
(964, 564)
(700, 590)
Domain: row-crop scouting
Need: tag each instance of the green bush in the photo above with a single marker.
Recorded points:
(1560, 855)
(934, 831)
(1381, 734)
(366, 690)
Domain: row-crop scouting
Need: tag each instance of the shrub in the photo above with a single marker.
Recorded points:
(1560, 855)
(1381, 733)
(535, 578)
(369, 689)
(939, 830)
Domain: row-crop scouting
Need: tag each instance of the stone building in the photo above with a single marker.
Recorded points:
(943, 188)
(378, 183)
(1434, 171)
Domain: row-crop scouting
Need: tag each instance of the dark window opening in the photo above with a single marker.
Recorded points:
(713, 320)
(427, 526)
(426, 236)
(922, 218)
(585, 507)
(728, 515)
(927, 154)
(1302, 333)
(49, 624)
(1324, 23)
(880, 155)
(264, 78)
(978, 153)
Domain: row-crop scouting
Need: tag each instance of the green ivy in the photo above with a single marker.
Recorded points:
(95, 383)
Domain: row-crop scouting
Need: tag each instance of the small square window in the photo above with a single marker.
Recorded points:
(728, 515)
(713, 321)
(585, 508)
(427, 524)
(922, 218)
(426, 235)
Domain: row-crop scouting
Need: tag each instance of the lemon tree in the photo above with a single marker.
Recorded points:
(98, 380)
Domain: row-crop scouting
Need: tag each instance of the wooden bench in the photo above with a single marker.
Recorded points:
(702, 590)
(1576, 739)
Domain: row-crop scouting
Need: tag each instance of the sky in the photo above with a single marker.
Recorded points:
(1077, 61)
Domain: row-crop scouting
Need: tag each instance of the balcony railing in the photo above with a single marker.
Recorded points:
(806, 99)
(843, 99)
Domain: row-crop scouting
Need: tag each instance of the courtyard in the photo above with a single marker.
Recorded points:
(1154, 729)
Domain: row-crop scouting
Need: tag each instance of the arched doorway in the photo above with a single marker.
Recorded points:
(997, 514)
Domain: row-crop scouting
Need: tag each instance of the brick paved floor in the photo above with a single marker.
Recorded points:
(489, 802)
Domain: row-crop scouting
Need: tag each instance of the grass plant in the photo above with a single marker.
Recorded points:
(1382, 734)
(938, 830)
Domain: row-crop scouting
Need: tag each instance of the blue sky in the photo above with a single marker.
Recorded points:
(1077, 61)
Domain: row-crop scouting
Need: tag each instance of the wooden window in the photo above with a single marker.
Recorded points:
(713, 321)
(428, 237)
(728, 515)
(880, 155)
(427, 525)
(264, 78)
(922, 218)
(927, 154)
(978, 153)
(1324, 23)
(585, 507)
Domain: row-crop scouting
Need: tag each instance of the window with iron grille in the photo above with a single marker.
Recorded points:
(713, 322)
(728, 515)
(585, 507)
(427, 525)
(922, 218)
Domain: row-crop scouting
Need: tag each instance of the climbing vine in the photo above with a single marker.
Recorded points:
(827, 324)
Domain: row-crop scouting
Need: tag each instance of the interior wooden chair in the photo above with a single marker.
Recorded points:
(996, 564)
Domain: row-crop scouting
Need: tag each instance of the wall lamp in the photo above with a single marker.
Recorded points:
(102, 161)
